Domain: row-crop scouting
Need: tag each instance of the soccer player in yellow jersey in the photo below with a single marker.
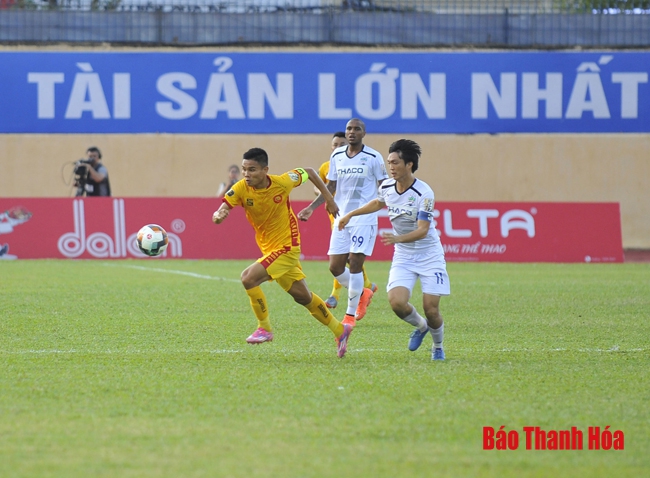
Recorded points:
(265, 199)
(338, 140)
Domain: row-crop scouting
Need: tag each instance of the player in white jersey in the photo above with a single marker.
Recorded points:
(355, 172)
(418, 252)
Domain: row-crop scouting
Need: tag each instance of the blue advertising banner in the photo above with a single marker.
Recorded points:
(188, 92)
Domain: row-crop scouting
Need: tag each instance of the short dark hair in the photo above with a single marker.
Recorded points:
(407, 150)
(95, 149)
(338, 134)
(259, 155)
(358, 120)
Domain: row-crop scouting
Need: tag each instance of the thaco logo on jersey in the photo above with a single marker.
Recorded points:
(394, 211)
(100, 244)
(352, 171)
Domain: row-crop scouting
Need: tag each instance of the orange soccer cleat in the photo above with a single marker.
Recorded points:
(364, 302)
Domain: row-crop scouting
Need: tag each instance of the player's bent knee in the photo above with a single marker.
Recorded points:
(400, 307)
(248, 279)
(434, 317)
(300, 297)
(431, 304)
(337, 264)
(356, 263)
(248, 284)
(300, 293)
(245, 279)
(302, 300)
(432, 312)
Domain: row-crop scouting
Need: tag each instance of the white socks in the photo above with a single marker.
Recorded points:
(354, 284)
(416, 320)
(344, 279)
(354, 292)
(438, 334)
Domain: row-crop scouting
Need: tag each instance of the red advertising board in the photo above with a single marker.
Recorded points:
(105, 228)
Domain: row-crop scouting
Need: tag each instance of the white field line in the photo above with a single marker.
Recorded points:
(115, 352)
(284, 350)
(172, 271)
(614, 349)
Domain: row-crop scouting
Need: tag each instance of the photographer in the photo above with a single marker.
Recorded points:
(91, 176)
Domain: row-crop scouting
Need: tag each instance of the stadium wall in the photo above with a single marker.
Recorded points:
(545, 166)
(503, 167)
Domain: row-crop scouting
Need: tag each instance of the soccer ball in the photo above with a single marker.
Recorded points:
(152, 240)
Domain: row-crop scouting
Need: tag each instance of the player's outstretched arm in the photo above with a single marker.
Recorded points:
(389, 238)
(330, 204)
(221, 214)
(373, 206)
(330, 189)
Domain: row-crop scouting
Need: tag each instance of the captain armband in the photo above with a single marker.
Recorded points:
(303, 174)
(424, 216)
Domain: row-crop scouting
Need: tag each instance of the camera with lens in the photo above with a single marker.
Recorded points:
(81, 167)
(81, 175)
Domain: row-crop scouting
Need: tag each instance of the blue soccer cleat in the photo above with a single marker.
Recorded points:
(416, 339)
(438, 354)
(331, 302)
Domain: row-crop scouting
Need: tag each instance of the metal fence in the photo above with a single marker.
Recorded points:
(479, 23)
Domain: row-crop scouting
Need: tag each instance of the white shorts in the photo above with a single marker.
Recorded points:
(406, 269)
(355, 239)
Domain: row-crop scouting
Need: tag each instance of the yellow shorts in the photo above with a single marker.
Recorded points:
(283, 266)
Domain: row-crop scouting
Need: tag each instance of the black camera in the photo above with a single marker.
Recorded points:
(81, 167)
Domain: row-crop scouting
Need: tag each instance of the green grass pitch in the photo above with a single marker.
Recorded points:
(140, 369)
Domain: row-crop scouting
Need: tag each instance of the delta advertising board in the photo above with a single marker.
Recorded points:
(105, 228)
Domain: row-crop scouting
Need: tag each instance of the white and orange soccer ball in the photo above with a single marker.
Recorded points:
(152, 240)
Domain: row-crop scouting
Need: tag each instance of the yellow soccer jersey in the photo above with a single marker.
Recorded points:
(323, 170)
(269, 210)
